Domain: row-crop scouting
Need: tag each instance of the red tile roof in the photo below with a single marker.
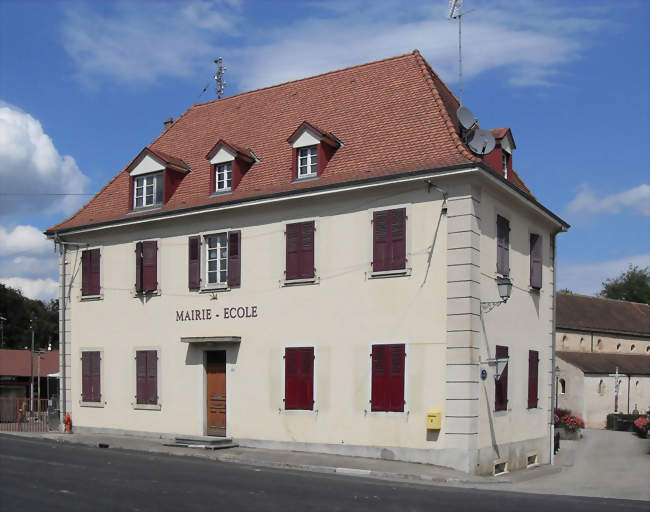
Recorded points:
(16, 363)
(585, 313)
(392, 116)
(602, 362)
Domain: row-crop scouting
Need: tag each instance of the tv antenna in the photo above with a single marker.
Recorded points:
(455, 13)
(218, 77)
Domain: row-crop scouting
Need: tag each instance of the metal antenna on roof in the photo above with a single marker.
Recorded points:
(218, 77)
(454, 13)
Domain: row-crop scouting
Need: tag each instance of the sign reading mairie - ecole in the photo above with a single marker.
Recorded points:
(190, 315)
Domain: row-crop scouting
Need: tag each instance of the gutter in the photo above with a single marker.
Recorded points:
(323, 190)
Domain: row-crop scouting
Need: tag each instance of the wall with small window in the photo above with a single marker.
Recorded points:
(582, 341)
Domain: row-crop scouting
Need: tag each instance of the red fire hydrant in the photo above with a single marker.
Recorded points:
(68, 424)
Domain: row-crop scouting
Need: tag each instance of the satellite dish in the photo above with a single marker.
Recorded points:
(466, 118)
(481, 142)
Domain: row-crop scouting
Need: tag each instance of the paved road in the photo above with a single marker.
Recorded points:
(43, 475)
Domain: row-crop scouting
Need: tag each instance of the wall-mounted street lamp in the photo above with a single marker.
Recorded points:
(504, 285)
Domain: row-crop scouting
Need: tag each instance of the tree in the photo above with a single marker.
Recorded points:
(565, 290)
(632, 285)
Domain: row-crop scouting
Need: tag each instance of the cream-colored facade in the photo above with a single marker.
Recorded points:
(434, 308)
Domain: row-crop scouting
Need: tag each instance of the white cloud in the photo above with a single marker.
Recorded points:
(587, 278)
(32, 168)
(136, 43)
(23, 240)
(28, 266)
(43, 289)
(634, 200)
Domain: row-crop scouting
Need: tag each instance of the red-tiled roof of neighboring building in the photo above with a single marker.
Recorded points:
(595, 314)
(15, 363)
(602, 362)
(393, 116)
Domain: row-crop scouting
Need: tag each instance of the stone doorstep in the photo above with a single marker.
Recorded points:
(206, 442)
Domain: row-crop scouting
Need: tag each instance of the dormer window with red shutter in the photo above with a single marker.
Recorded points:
(500, 158)
(155, 176)
(312, 149)
(229, 165)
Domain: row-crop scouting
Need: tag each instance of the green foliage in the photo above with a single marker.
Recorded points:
(18, 310)
(632, 285)
(565, 290)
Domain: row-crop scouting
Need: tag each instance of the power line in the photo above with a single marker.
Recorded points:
(45, 194)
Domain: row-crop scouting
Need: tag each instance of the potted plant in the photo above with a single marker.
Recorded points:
(641, 426)
(568, 424)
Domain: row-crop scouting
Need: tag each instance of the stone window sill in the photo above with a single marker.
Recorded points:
(402, 272)
(91, 404)
(299, 282)
(90, 298)
(147, 407)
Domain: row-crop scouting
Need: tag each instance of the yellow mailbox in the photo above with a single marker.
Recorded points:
(434, 420)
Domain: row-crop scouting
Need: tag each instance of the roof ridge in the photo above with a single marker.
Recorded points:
(356, 66)
(604, 298)
(428, 75)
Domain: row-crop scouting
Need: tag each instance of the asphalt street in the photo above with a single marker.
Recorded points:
(44, 475)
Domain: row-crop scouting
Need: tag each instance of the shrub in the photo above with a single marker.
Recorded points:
(641, 425)
(564, 418)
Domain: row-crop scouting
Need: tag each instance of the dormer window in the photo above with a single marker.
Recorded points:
(312, 149)
(307, 161)
(223, 176)
(148, 190)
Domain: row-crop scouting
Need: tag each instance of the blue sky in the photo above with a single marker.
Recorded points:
(84, 86)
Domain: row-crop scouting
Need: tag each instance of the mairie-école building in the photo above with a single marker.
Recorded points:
(314, 266)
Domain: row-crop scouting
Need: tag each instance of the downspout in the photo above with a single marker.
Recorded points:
(628, 392)
(62, 340)
(592, 341)
(553, 375)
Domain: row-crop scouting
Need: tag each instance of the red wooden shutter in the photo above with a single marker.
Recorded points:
(152, 377)
(306, 258)
(395, 393)
(503, 246)
(86, 384)
(95, 288)
(389, 240)
(194, 266)
(234, 258)
(501, 384)
(379, 384)
(535, 261)
(141, 376)
(533, 365)
(293, 252)
(138, 267)
(306, 368)
(291, 362)
(85, 273)
(299, 378)
(149, 266)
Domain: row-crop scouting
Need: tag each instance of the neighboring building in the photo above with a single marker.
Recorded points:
(594, 324)
(587, 384)
(303, 266)
(595, 336)
(16, 372)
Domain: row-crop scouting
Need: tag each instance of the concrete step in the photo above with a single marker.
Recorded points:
(206, 442)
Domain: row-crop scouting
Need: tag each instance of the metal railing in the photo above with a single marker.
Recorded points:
(24, 415)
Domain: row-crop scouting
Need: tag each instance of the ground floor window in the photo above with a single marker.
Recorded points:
(91, 376)
(299, 378)
(388, 378)
(501, 382)
(146, 362)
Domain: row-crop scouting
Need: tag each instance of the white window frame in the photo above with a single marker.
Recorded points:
(134, 376)
(206, 272)
(223, 175)
(157, 178)
(311, 161)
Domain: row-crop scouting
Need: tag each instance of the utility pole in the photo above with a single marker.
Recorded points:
(31, 368)
(2, 331)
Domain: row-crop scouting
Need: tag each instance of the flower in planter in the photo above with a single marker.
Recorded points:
(572, 423)
(641, 425)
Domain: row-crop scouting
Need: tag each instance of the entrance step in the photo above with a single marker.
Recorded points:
(206, 442)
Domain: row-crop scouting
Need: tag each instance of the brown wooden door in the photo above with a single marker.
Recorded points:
(216, 392)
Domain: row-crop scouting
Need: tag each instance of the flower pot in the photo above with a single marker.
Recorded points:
(570, 435)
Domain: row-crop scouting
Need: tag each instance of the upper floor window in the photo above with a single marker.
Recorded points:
(146, 266)
(216, 259)
(148, 190)
(389, 240)
(223, 176)
(221, 260)
(300, 251)
(90, 273)
(503, 246)
(307, 161)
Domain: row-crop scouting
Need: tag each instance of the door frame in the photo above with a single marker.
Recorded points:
(204, 402)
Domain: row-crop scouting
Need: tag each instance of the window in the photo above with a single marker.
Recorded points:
(146, 267)
(307, 161)
(90, 284)
(146, 362)
(223, 176)
(299, 378)
(148, 190)
(599, 345)
(504, 163)
(632, 347)
(389, 240)
(388, 378)
(601, 387)
(564, 339)
(562, 387)
(222, 260)
(618, 346)
(91, 376)
(501, 382)
(535, 261)
(300, 251)
(503, 246)
(533, 367)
